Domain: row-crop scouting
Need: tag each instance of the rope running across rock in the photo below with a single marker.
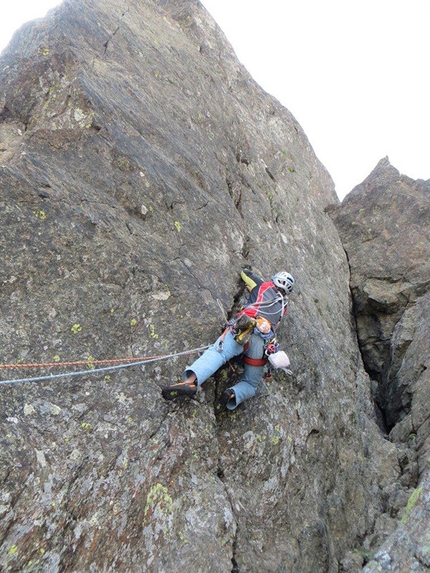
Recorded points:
(119, 363)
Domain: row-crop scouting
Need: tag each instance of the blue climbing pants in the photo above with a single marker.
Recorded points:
(214, 357)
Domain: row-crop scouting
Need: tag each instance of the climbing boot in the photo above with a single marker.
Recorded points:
(179, 390)
(223, 400)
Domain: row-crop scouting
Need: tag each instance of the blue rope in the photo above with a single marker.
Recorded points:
(97, 370)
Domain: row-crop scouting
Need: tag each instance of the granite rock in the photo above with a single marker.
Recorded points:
(141, 169)
(385, 227)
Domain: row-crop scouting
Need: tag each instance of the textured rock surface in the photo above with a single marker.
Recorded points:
(141, 168)
(384, 224)
(385, 228)
(408, 548)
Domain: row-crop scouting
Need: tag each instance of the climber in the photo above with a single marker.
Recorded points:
(251, 334)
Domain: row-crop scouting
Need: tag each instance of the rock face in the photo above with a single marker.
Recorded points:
(384, 225)
(141, 169)
(385, 228)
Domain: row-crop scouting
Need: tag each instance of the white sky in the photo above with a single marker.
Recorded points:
(354, 73)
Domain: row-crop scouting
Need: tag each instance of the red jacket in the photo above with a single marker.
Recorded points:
(264, 299)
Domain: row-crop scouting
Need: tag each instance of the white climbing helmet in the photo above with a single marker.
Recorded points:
(284, 281)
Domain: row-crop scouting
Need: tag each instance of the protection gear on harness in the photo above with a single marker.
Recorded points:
(271, 348)
(263, 325)
(284, 281)
(243, 328)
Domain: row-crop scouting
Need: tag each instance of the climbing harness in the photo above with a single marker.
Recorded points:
(119, 364)
(254, 361)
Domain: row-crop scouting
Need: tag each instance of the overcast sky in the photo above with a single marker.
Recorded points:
(354, 73)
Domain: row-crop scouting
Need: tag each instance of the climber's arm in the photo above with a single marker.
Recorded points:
(250, 279)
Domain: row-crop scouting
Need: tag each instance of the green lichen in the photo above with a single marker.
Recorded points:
(12, 550)
(86, 426)
(182, 537)
(367, 555)
(158, 496)
(223, 375)
(123, 163)
(260, 438)
(76, 328)
(411, 503)
(40, 214)
(152, 332)
(276, 438)
(133, 322)
(56, 358)
(177, 226)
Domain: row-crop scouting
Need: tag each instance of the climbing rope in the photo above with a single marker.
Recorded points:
(266, 304)
(119, 363)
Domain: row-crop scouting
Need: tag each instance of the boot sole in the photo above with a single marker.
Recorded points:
(170, 393)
